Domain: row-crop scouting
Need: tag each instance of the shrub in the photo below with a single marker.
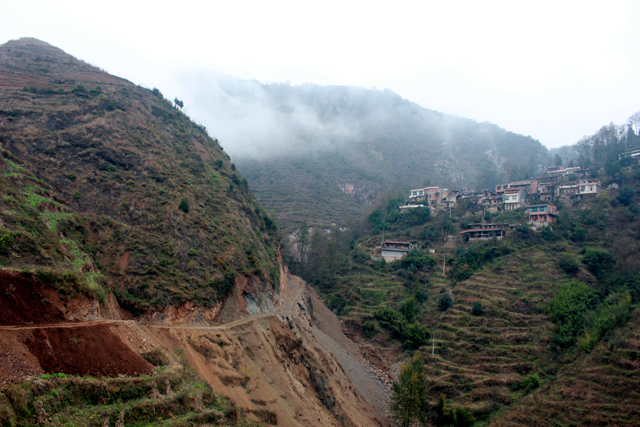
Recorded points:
(477, 309)
(613, 312)
(409, 309)
(416, 260)
(156, 357)
(568, 264)
(6, 242)
(531, 381)
(579, 234)
(184, 205)
(413, 336)
(458, 416)
(223, 286)
(598, 261)
(548, 234)
(386, 316)
(626, 195)
(445, 302)
(369, 328)
(567, 309)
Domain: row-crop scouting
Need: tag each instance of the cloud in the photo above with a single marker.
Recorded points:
(255, 121)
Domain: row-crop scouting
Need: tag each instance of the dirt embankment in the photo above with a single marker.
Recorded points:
(293, 363)
(23, 300)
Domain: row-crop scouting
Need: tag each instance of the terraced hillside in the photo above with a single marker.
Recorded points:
(596, 389)
(481, 360)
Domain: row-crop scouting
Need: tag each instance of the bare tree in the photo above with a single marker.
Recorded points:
(565, 153)
(582, 150)
(634, 121)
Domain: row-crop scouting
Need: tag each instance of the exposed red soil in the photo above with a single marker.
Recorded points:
(90, 350)
(24, 300)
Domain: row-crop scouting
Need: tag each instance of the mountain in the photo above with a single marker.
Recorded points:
(108, 181)
(326, 152)
(130, 245)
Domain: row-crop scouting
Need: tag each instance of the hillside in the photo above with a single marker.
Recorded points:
(108, 182)
(140, 281)
(536, 329)
(327, 152)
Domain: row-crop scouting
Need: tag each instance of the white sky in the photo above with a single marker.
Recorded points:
(554, 70)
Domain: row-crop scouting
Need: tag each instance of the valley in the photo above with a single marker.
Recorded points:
(384, 265)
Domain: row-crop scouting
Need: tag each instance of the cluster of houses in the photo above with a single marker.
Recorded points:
(536, 194)
(513, 195)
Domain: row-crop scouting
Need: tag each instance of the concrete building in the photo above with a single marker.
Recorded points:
(584, 188)
(485, 232)
(530, 186)
(543, 213)
(514, 198)
(589, 188)
(392, 250)
(431, 195)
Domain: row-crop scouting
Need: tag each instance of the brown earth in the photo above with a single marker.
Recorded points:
(23, 300)
(293, 363)
(76, 351)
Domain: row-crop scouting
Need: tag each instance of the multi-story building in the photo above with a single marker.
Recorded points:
(431, 195)
(514, 198)
(543, 213)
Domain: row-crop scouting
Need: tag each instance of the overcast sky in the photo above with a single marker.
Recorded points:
(553, 70)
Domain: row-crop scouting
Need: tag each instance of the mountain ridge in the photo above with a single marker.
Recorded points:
(337, 148)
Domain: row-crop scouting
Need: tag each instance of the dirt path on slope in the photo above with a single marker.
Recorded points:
(298, 304)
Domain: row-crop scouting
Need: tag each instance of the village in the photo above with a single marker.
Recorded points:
(535, 195)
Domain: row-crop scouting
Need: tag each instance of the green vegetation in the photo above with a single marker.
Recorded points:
(410, 393)
(184, 205)
(457, 416)
(132, 158)
(396, 150)
(59, 399)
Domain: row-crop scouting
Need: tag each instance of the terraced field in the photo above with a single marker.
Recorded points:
(480, 361)
(599, 389)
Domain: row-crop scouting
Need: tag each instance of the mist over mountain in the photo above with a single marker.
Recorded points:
(341, 146)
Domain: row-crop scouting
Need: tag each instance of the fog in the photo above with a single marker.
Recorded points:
(252, 122)
(554, 70)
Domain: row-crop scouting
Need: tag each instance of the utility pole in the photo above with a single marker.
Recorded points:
(433, 343)
(444, 261)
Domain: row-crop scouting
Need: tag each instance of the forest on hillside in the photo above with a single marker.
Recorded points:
(327, 152)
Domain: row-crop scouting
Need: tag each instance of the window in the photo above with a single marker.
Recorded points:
(534, 210)
(543, 209)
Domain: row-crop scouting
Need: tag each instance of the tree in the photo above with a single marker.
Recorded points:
(626, 195)
(445, 302)
(178, 103)
(582, 150)
(410, 393)
(565, 154)
(557, 160)
(634, 122)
